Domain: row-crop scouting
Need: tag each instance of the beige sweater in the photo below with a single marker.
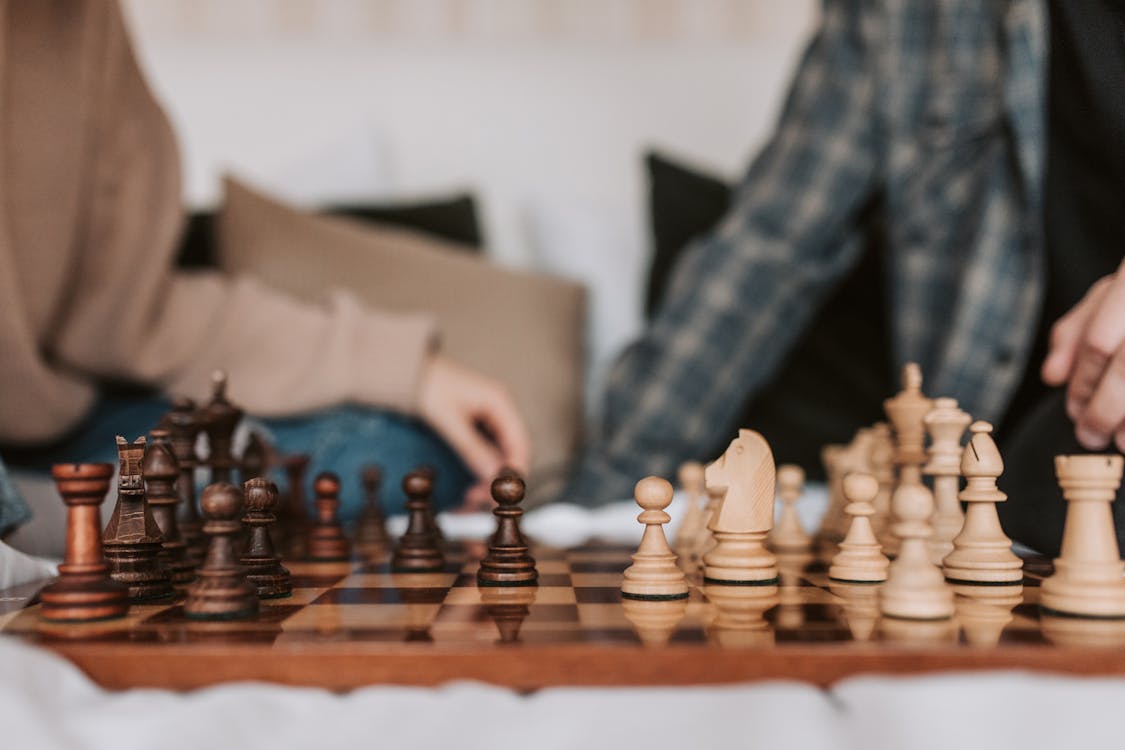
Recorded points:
(89, 220)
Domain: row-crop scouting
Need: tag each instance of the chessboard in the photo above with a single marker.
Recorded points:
(357, 623)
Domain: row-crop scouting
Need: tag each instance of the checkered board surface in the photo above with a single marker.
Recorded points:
(573, 628)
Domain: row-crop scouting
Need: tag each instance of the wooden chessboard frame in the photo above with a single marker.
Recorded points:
(355, 624)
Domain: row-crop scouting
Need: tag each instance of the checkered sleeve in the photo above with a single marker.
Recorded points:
(741, 297)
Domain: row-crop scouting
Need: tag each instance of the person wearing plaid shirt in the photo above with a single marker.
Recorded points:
(920, 127)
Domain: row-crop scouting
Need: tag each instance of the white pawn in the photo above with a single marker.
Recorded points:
(694, 520)
(788, 535)
(861, 558)
(981, 552)
(654, 574)
(1088, 572)
(915, 588)
(946, 424)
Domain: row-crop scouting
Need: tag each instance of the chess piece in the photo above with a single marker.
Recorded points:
(907, 412)
(371, 529)
(182, 423)
(860, 559)
(221, 591)
(915, 587)
(832, 458)
(693, 522)
(654, 620)
(132, 541)
(417, 550)
(882, 458)
(705, 541)
(745, 515)
(294, 516)
(981, 553)
(788, 535)
(946, 424)
(508, 606)
(654, 575)
(508, 562)
(327, 542)
(83, 592)
(219, 420)
(263, 565)
(254, 458)
(1087, 581)
(160, 473)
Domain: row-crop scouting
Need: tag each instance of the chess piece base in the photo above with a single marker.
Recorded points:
(417, 557)
(740, 559)
(268, 577)
(83, 600)
(328, 544)
(221, 595)
(135, 567)
(507, 566)
(1100, 598)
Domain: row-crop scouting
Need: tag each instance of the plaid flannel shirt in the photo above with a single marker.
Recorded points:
(937, 111)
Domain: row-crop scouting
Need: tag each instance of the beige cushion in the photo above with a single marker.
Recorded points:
(525, 329)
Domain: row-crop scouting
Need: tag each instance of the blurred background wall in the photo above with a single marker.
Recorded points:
(542, 108)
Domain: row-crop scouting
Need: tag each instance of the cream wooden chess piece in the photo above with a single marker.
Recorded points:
(915, 588)
(745, 516)
(981, 552)
(654, 575)
(946, 424)
(860, 559)
(788, 535)
(1087, 581)
(882, 461)
(694, 520)
(906, 412)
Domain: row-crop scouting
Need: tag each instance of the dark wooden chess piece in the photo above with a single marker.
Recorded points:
(327, 542)
(254, 458)
(83, 591)
(183, 424)
(220, 418)
(418, 550)
(263, 566)
(508, 562)
(294, 515)
(160, 472)
(221, 591)
(371, 529)
(132, 541)
(430, 473)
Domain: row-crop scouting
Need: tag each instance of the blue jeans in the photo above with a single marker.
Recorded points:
(342, 440)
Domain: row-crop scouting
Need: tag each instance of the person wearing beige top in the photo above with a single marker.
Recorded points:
(90, 216)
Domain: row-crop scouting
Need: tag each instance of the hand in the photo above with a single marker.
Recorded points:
(454, 400)
(1087, 352)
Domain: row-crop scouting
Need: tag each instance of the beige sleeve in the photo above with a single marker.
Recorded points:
(128, 316)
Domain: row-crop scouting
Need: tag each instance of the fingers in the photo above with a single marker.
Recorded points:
(481, 456)
(1104, 415)
(499, 412)
(1066, 337)
(1104, 334)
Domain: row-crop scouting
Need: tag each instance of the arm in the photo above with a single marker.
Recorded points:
(741, 297)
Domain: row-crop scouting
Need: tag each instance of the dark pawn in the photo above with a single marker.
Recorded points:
(508, 562)
(132, 542)
(83, 591)
(183, 424)
(327, 542)
(220, 418)
(418, 550)
(160, 473)
(263, 566)
(221, 591)
(371, 530)
(254, 458)
(430, 473)
(293, 516)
